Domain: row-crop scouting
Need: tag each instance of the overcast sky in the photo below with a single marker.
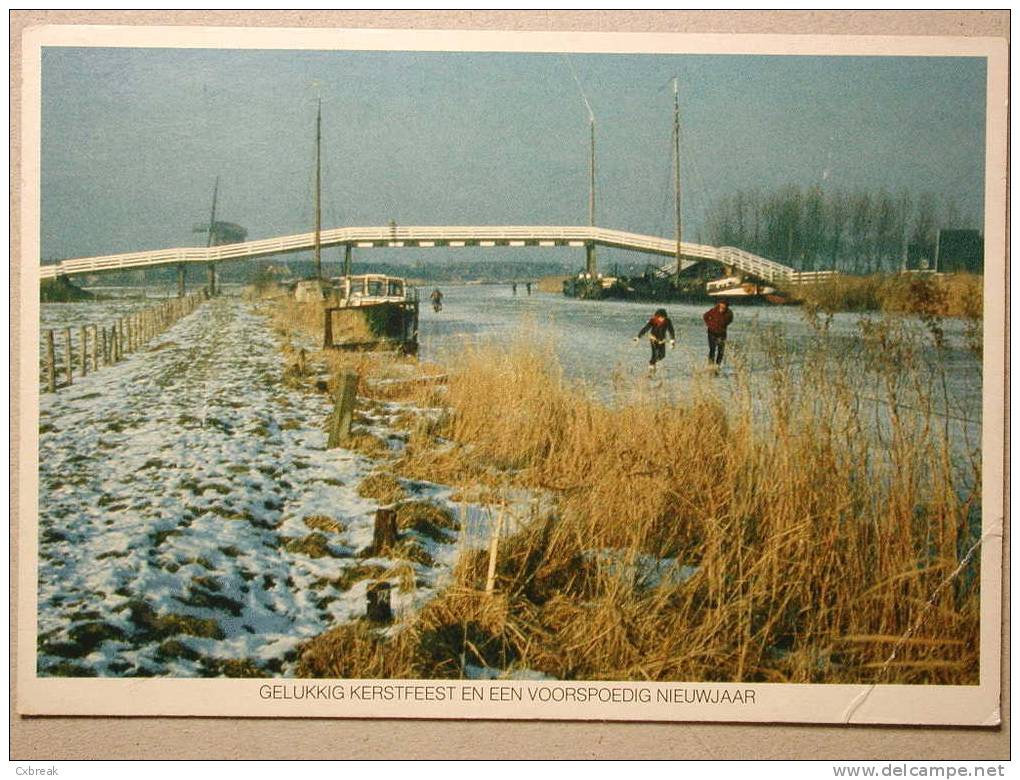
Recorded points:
(133, 138)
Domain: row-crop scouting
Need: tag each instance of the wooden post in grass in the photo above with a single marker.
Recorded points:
(343, 410)
(378, 607)
(95, 347)
(490, 579)
(51, 364)
(327, 328)
(106, 353)
(68, 357)
(120, 338)
(384, 535)
(84, 338)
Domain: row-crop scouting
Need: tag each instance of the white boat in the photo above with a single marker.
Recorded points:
(370, 289)
(736, 287)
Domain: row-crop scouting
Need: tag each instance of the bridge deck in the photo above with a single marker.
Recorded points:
(428, 236)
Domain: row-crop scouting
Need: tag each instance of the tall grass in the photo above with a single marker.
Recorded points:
(952, 295)
(821, 518)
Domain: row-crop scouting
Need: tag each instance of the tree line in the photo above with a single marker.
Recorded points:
(854, 232)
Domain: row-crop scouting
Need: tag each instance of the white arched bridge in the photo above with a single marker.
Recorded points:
(432, 236)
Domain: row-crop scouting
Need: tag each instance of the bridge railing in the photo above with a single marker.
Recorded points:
(487, 235)
(812, 277)
(753, 264)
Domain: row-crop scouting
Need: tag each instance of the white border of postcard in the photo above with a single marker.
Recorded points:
(929, 705)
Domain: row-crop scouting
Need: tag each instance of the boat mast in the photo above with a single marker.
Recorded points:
(212, 217)
(318, 192)
(210, 237)
(590, 247)
(591, 176)
(676, 177)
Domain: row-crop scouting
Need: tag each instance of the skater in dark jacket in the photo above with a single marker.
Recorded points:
(657, 327)
(717, 319)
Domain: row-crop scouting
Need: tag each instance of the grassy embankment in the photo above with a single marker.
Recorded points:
(824, 552)
(952, 295)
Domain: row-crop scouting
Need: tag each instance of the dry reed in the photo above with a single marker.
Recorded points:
(818, 532)
(951, 295)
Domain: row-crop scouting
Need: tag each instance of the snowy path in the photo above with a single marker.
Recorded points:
(175, 493)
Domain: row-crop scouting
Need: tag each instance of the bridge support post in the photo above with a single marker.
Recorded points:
(347, 261)
(180, 280)
(589, 259)
(212, 279)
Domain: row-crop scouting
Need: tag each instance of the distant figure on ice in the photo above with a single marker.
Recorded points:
(657, 327)
(513, 287)
(717, 319)
(528, 286)
(437, 300)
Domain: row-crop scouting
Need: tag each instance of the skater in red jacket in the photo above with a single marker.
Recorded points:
(717, 319)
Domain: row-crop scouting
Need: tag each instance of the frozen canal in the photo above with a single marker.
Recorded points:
(594, 339)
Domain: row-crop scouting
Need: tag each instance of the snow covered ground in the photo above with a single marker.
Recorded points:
(191, 521)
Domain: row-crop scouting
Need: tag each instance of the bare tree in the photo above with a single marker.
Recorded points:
(860, 231)
(950, 218)
(837, 216)
(886, 224)
(813, 227)
(903, 229)
(925, 227)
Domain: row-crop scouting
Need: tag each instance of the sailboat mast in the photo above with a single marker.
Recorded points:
(318, 192)
(211, 236)
(590, 246)
(676, 176)
(212, 217)
(591, 175)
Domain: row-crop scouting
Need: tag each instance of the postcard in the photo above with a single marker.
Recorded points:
(511, 375)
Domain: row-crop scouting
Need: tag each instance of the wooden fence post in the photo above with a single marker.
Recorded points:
(120, 338)
(378, 607)
(384, 534)
(95, 347)
(68, 357)
(327, 328)
(490, 579)
(83, 336)
(106, 352)
(343, 410)
(51, 363)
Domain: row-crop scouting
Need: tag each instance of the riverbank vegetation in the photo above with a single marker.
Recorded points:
(62, 290)
(830, 539)
(950, 295)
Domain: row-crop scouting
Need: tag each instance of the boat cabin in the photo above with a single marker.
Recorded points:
(368, 289)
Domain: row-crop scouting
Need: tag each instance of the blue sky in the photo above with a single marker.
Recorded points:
(133, 138)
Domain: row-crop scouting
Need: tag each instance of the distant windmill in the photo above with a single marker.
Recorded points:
(217, 233)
